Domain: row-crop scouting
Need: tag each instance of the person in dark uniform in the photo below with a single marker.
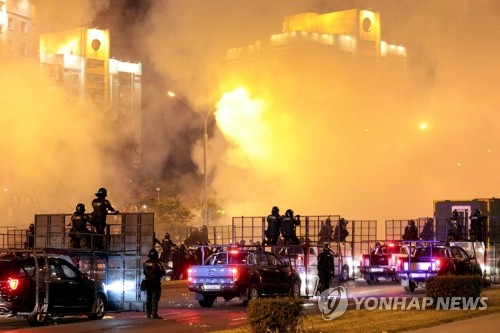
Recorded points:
(30, 236)
(167, 245)
(411, 231)
(326, 268)
(340, 233)
(454, 227)
(153, 271)
(325, 231)
(79, 231)
(477, 222)
(273, 226)
(101, 207)
(288, 228)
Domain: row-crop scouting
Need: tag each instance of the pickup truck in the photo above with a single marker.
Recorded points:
(304, 258)
(247, 274)
(431, 260)
(383, 261)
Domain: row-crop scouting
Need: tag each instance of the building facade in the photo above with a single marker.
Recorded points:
(18, 30)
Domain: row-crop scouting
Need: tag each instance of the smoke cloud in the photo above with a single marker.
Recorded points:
(341, 147)
(345, 144)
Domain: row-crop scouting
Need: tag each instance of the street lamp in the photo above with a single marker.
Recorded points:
(205, 142)
(158, 192)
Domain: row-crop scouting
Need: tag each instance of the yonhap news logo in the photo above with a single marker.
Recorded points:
(333, 303)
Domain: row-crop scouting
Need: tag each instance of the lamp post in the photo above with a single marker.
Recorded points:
(205, 142)
(158, 196)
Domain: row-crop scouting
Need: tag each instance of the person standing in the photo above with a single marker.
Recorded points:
(273, 226)
(411, 231)
(79, 229)
(98, 218)
(288, 228)
(326, 268)
(153, 272)
(167, 245)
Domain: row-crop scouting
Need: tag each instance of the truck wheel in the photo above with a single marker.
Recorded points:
(344, 273)
(253, 293)
(295, 289)
(207, 301)
(411, 287)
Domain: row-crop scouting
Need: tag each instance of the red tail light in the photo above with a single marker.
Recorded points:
(438, 264)
(236, 273)
(13, 283)
(190, 277)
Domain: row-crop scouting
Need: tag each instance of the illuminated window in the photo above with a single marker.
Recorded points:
(10, 24)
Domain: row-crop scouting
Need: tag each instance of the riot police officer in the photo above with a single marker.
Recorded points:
(153, 271)
(101, 207)
(326, 268)
(79, 231)
(340, 233)
(411, 231)
(273, 226)
(167, 245)
(477, 221)
(454, 227)
(288, 228)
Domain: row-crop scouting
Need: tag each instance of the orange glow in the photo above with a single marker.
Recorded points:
(240, 118)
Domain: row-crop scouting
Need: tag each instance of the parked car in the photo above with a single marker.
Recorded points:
(383, 261)
(43, 287)
(432, 260)
(247, 274)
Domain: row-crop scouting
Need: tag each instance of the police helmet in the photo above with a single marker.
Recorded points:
(289, 213)
(167, 235)
(275, 210)
(80, 208)
(153, 254)
(477, 212)
(102, 193)
(326, 247)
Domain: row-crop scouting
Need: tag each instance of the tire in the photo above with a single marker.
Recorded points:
(207, 301)
(344, 273)
(38, 316)
(98, 308)
(295, 289)
(411, 287)
(369, 281)
(253, 293)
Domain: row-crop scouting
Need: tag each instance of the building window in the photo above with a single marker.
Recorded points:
(24, 27)
(10, 24)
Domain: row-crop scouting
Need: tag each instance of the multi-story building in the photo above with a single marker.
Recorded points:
(18, 30)
(78, 60)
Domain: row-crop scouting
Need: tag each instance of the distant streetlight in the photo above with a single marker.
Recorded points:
(205, 141)
(158, 191)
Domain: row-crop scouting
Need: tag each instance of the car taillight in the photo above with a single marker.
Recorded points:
(438, 264)
(13, 283)
(190, 277)
(361, 261)
(399, 264)
(236, 273)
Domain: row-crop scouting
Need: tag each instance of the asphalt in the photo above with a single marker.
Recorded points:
(481, 324)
